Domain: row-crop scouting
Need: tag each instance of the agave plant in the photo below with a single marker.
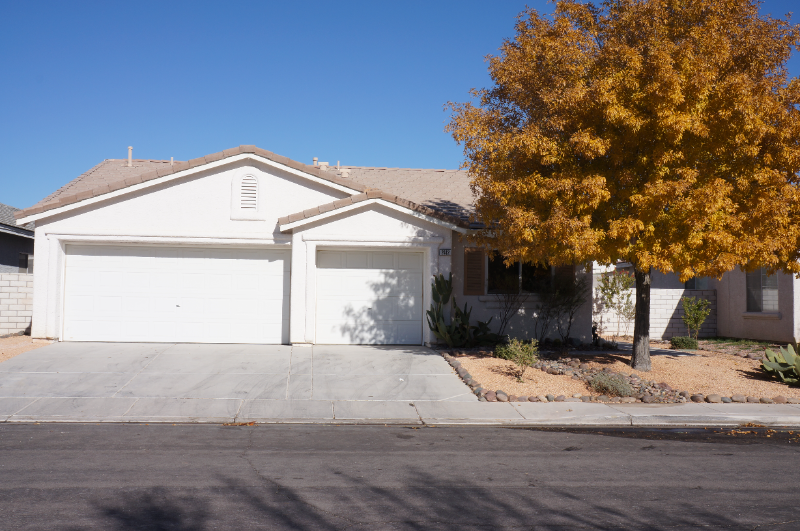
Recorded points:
(785, 365)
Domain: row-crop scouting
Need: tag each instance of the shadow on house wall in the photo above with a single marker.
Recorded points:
(666, 312)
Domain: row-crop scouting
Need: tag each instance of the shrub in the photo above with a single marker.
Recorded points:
(695, 313)
(459, 333)
(681, 342)
(784, 364)
(611, 384)
(522, 354)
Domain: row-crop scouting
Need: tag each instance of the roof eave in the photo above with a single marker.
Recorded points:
(155, 178)
(300, 219)
(16, 231)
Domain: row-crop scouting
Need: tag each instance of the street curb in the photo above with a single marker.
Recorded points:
(643, 422)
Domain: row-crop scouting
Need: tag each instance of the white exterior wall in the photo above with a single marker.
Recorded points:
(194, 210)
(373, 226)
(16, 302)
(200, 210)
(521, 325)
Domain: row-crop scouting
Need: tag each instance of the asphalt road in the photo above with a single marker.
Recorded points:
(202, 477)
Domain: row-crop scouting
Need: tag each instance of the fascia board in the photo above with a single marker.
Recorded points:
(22, 233)
(185, 173)
(361, 204)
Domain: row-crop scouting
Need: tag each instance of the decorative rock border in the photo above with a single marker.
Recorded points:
(647, 391)
(741, 399)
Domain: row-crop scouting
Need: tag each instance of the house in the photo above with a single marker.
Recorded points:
(246, 246)
(16, 243)
(744, 305)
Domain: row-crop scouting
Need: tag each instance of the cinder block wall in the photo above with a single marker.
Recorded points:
(666, 312)
(16, 302)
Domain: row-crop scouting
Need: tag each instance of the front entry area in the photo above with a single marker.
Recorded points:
(369, 297)
(176, 294)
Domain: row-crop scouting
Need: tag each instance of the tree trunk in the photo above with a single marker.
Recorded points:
(641, 327)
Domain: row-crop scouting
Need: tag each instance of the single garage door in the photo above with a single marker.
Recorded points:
(369, 297)
(180, 294)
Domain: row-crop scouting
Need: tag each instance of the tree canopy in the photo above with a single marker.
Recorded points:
(665, 133)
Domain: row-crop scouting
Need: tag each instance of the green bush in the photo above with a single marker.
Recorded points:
(695, 312)
(521, 353)
(681, 342)
(611, 384)
(785, 364)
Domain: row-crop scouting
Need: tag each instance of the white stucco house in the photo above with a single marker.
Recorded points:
(246, 246)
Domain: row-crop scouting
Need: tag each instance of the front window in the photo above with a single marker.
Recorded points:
(696, 283)
(762, 291)
(502, 278)
(530, 278)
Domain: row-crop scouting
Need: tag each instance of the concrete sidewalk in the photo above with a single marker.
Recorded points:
(182, 410)
(185, 383)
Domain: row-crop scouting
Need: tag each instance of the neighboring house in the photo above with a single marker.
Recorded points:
(744, 305)
(246, 246)
(16, 243)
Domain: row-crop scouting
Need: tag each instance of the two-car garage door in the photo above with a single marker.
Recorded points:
(225, 295)
(179, 294)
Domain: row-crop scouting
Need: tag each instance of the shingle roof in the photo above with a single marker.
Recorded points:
(7, 218)
(441, 193)
(108, 172)
(371, 194)
(114, 174)
(445, 191)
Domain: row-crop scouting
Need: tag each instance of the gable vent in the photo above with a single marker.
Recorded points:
(249, 193)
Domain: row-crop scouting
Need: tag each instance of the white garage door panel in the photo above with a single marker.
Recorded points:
(369, 297)
(176, 295)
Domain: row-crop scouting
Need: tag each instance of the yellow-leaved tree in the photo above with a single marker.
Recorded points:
(665, 133)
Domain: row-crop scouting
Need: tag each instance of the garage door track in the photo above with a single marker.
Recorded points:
(151, 382)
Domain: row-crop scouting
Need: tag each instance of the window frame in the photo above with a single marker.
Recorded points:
(520, 280)
(695, 280)
(755, 301)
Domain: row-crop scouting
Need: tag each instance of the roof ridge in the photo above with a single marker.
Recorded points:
(388, 168)
(146, 160)
(120, 178)
(59, 198)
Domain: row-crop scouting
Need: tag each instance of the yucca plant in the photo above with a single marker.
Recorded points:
(785, 365)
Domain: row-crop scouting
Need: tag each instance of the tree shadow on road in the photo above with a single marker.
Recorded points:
(424, 502)
(156, 509)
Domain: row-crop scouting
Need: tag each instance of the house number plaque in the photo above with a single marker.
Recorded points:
(444, 252)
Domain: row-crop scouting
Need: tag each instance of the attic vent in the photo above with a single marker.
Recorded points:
(249, 192)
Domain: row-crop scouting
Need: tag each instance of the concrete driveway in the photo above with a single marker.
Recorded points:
(189, 382)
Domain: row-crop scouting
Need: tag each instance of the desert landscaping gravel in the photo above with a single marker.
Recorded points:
(14, 345)
(700, 372)
(706, 373)
(496, 373)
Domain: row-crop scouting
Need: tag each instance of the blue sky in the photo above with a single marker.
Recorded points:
(360, 82)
